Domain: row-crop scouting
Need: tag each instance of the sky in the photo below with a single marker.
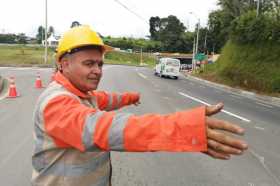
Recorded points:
(107, 17)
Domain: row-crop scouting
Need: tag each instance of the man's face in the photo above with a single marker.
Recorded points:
(84, 69)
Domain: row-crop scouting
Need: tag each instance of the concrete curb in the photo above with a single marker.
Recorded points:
(271, 100)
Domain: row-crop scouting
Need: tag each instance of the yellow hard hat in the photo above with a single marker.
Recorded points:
(78, 37)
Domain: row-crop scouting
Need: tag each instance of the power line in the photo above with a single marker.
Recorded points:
(131, 11)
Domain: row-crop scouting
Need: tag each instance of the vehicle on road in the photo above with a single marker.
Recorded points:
(168, 67)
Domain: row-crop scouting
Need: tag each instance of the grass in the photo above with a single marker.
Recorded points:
(22, 55)
(254, 68)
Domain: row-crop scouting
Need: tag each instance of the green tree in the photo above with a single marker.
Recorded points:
(51, 31)
(169, 31)
(7, 38)
(154, 28)
(40, 34)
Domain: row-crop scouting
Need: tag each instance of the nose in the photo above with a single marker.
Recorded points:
(96, 69)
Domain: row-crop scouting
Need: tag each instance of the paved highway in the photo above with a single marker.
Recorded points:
(259, 166)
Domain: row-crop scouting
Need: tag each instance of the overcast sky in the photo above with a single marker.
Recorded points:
(105, 16)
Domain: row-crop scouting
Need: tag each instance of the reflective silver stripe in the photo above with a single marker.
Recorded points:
(110, 102)
(116, 131)
(89, 129)
(62, 169)
(50, 93)
(119, 101)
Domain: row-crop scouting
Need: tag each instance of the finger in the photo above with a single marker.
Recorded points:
(217, 155)
(223, 148)
(211, 110)
(224, 125)
(226, 139)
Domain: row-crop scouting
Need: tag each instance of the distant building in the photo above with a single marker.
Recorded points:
(52, 41)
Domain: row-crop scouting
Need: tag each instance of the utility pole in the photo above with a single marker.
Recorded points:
(193, 59)
(46, 32)
(205, 42)
(197, 36)
(141, 57)
(258, 7)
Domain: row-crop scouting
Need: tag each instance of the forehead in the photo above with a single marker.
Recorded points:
(88, 54)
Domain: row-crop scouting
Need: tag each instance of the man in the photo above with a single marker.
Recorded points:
(76, 128)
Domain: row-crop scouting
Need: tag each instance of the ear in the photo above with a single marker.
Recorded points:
(64, 63)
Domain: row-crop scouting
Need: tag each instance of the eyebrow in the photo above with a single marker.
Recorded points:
(93, 61)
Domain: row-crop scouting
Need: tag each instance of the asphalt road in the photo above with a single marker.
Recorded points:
(259, 166)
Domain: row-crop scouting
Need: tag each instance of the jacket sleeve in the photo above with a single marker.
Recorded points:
(72, 124)
(113, 101)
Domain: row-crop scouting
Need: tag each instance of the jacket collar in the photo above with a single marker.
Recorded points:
(61, 79)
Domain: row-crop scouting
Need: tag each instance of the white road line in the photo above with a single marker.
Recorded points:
(224, 111)
(265, 105)
(142, 75)
(259, 128)
(267, 169)
(235, 96)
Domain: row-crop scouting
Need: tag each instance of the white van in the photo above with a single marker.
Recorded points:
(168, 67)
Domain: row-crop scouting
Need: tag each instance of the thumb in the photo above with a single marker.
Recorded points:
(211, 110)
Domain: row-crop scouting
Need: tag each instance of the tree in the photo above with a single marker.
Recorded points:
(219, 24)
(154, 28)
(40, 34)
(51, 31)
(7, 38)
(169, 31)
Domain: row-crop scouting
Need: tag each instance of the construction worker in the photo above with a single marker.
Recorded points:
(75, 126)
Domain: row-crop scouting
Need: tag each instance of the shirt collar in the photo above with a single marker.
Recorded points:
(61, 79)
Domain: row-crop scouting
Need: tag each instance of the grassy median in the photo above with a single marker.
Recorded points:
(22, 55)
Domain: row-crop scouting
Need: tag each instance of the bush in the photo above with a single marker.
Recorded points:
(248, 28)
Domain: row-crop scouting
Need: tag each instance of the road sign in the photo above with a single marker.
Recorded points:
(200, 57)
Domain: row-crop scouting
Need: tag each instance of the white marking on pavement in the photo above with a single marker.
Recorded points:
(202, 86)
(13, 153)
(251, 184)
(265, 105)
(267, 169)
(224, 111)
(259, 128)
(165, 97)
(235, 96)
(142, 75)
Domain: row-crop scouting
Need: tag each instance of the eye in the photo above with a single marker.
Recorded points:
(100, 64)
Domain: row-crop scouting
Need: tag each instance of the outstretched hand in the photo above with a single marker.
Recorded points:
(220, 144)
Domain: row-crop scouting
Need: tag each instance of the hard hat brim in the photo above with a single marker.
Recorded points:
(105, 49)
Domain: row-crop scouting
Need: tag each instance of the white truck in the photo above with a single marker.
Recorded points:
(168, 67)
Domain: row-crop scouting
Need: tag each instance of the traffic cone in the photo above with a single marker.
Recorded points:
(38, 82)
(13, 90)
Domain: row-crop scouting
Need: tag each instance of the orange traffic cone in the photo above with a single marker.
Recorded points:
(13, 90)
(38, 82)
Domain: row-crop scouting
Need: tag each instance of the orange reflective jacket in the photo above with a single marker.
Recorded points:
(80, 129)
